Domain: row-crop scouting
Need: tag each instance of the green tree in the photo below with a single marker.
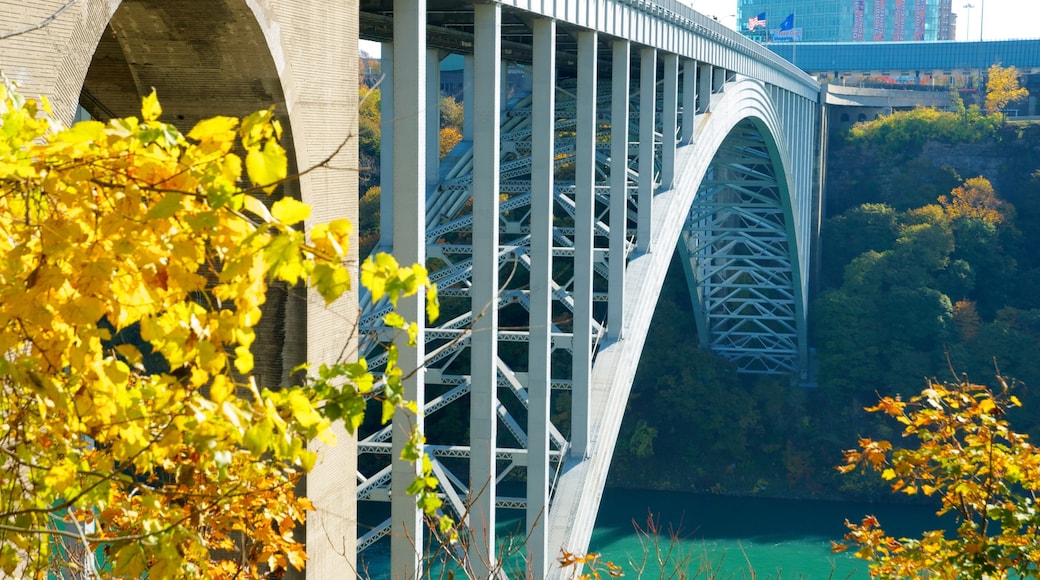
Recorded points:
(982, 471)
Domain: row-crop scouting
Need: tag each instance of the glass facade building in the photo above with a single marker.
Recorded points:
(847, 20)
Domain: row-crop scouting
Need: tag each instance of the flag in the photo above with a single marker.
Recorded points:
(788, 22)
(756, 21)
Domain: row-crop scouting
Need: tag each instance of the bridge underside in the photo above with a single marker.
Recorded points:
(548, 271)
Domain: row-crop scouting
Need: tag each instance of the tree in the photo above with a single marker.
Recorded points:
(133, 267)
(449, 138)
(976, 199)
(982, 471)
(1002, 88)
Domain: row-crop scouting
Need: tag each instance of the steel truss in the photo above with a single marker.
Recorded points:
(736, 250)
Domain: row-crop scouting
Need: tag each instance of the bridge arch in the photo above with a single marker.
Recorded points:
(740, 247)
(228, 57)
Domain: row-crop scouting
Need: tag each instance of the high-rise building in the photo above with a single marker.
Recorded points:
(846, 20)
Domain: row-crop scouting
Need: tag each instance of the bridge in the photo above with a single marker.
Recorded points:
(646, 129)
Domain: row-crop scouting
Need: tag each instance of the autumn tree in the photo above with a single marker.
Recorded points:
(133, 263)
(976, 199)
(984, 474)
(1002, 87)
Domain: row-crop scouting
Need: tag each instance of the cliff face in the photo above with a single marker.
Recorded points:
(859, 174)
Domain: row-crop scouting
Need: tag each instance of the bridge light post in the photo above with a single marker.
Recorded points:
(967, 24)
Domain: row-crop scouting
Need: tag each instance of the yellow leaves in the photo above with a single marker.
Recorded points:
(382, 275)
(290, 211)
(303, 411)
(268, 167)
(129, 300)
(150, 108)
(216, 129)
(61, 476)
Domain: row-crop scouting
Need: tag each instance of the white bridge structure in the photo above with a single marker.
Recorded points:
(646, 129)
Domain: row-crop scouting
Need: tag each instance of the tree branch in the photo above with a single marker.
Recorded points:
(40, 24)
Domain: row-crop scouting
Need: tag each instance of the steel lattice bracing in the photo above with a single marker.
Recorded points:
(736, 250)
(549, 267)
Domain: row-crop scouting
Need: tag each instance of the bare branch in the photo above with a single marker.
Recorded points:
(40, 24)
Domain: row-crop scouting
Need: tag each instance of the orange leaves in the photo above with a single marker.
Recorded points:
(967, 455)
(975, 199)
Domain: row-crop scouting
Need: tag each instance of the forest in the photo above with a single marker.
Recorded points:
(927, 269)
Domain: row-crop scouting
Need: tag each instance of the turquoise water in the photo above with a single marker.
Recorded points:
(726, 537)
(730, 536)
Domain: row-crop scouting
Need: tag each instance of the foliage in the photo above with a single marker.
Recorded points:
(905, 132)
(451, 113)
(1002, 87)
(982, 471)
(975, 199)
(449, 138)
(369, 136)
(133, 268)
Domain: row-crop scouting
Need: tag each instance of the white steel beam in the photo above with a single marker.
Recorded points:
(467, 97)
(647, 110)
(433, 116)
(386, 151)
(584, 204)
(539, 381)
(689, 100)
(669, 118)
(487, 97)
(620, 79)
(409, 203)
(704, 87)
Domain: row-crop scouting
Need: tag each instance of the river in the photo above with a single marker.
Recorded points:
(726, 537)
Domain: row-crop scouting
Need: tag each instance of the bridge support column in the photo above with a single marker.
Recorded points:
(409, 227)
(689, 100)
(433, 116)
(718, 79)
(543, 129)
(584, 209)
(669, 118)
(487, 97)
(647, 109)
(620, 79)
(467, 97)
(704, 88)
(386, 151)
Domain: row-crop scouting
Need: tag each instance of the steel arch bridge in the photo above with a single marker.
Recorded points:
(646, 129)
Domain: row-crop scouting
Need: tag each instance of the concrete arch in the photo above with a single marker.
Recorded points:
(210, 56)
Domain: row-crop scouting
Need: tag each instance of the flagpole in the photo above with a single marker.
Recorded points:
(794, 37)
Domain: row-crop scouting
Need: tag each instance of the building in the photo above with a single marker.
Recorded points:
(847, 20)
(934, 65)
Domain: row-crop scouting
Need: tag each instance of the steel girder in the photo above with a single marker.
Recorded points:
(449, 220)
(735, 248)
(737, 255)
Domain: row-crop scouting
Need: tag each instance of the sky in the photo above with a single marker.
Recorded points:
(1004, 19)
